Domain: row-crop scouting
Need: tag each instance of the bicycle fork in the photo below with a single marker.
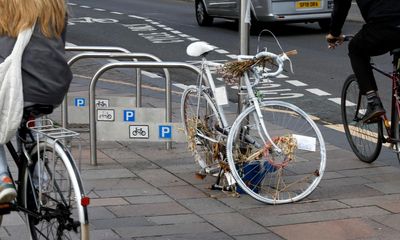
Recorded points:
(261, 125)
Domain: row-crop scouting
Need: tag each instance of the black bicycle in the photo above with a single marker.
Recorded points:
(49, 187)
(366, 139)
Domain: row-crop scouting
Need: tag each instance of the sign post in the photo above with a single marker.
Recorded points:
(244, 40)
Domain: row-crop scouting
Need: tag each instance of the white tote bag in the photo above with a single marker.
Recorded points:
(11, 94)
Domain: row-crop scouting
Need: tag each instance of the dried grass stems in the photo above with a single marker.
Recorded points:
(232, 71)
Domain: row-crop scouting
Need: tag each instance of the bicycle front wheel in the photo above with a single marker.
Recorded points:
(53, 192)
(284, 164)
(365, 139)
(201, 121)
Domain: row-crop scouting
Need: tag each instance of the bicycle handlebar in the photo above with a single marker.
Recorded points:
(278, 59)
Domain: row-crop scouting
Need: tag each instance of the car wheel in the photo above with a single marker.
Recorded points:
(324, 24)
(202, 17)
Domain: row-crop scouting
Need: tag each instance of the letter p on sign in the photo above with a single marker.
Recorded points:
(165, 132)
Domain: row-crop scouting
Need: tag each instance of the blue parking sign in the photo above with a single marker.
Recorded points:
(80, 102)
(165, 132)
(129, 115)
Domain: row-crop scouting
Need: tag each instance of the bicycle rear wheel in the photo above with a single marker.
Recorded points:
(395, 129)
(53, 191)
(201, 120)
(365, 139)
(266, 173)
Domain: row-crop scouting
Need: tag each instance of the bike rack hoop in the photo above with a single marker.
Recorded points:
(105, 68)
(118, 53)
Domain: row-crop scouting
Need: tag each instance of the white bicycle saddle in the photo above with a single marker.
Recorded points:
(197, 49)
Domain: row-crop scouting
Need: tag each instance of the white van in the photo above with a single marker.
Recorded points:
(267, 11)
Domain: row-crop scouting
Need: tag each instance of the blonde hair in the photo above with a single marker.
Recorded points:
(18, 15)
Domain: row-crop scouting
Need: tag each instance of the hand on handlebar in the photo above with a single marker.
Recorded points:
(333, 41)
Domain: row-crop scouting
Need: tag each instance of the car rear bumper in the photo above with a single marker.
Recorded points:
(294, 17)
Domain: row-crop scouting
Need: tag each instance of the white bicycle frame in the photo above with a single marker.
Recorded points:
(253, 100)
(205, 68)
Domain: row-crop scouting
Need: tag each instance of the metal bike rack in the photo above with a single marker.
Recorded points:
(64, 104)
(102, 70)
(105, 53)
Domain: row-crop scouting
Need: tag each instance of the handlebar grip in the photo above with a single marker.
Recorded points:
(277, 58)
(291, 53)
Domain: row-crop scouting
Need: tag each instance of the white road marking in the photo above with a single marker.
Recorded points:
(99, 9)
(335, 100)
(282, 76)
(221, 51)
(83, 6)
(348, 103)
(233, 56)
(318, 92)
(134, 16)
(193, 39)
(296, 83)
(273, 91)
(149, 74)
(118, 13)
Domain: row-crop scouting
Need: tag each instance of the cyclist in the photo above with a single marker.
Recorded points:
(45, 73)
(379, 35)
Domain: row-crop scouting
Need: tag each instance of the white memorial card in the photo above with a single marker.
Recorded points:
(305, 142)
(221, 96)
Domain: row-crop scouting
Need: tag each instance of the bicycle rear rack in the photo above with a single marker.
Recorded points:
(46, 128)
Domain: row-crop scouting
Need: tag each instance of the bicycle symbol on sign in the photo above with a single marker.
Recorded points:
(139, 131)
(105, 115)
(73, 21)
(101, 103)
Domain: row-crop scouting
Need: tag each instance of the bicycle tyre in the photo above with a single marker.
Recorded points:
(64, 215)
(266, 174)
(395, 128)
(201, 128)
(365, 139)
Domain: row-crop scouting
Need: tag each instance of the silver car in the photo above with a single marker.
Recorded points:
(267, 11)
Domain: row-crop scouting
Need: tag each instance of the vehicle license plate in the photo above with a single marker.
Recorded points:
(308, 4)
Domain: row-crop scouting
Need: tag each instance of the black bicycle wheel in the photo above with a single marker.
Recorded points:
(395, 129)
(50, 191)
(365, 139)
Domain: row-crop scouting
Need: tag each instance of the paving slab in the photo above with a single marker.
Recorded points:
(327, 230)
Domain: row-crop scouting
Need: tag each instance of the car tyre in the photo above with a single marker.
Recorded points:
(202, 17)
